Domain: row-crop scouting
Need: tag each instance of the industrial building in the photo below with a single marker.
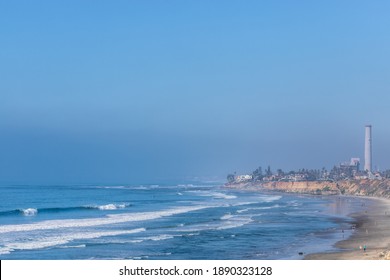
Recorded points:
(368, 150)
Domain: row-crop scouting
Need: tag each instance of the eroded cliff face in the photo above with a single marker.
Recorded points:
(376, 188)
(309, 187)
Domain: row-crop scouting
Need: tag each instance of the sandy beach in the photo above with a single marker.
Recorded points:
(371, 230)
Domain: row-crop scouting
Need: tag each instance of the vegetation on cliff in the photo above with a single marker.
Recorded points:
(365, 187)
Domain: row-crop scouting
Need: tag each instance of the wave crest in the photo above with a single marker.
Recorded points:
(29, 212)
(34, 211)
(111, 206)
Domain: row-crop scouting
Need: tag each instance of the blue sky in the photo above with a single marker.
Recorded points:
(144, 91)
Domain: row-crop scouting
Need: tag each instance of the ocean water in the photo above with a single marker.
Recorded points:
(199, 221)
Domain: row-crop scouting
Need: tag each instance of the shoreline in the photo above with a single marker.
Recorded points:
(372, 228)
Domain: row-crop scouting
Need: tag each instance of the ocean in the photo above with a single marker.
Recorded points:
(185, 221)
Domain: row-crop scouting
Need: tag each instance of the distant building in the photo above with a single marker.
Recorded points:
(243, 178)
(346, 170)
(355, 162)
(350, 168)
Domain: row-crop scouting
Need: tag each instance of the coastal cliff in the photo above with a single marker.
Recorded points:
(364, 187)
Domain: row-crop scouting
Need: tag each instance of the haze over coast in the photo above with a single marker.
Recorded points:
(122, 93)
(134, 92)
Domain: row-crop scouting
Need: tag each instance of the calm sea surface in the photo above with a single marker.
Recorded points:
(167, 222)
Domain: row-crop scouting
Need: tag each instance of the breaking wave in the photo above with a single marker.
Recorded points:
(35, 211)
(110, 206)
(29, 212)
(107, 220)
(216, 195)
(24, 212)
(62, 239)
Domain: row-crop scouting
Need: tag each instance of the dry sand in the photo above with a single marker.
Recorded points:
(372, 230)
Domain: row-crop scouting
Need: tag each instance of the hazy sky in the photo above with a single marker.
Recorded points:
(144, 91)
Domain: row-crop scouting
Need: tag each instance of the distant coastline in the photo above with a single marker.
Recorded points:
(371, 238)
(356, 187)
(372, 225)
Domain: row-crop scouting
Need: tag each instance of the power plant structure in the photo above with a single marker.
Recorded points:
(368, 150)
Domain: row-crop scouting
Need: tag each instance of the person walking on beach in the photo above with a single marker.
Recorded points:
(364, 248)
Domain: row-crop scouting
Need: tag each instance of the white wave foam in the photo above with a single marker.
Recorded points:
(74, 246)
(161, 237)
(110, 187)
(30, 212)
(226, 217)
(223, 196)
(107, 220)
(258, 208)
(193, 234)
(269, 198)
(217, 195)
(234, 222)
(61, 239)
(185, 185)
(226, 222)
(139, 188)
(111, 206)
(4, 251)
(152, 238)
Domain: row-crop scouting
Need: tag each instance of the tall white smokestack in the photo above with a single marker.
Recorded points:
(367, 149)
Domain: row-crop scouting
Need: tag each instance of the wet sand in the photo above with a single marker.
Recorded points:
(371, 229)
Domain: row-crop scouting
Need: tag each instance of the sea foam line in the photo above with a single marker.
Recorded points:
(35, 211)
(111, 206)
(153, 238)
(51, 241)
(213, 194)
(258, 208)
(109, 219)
(227, 221)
